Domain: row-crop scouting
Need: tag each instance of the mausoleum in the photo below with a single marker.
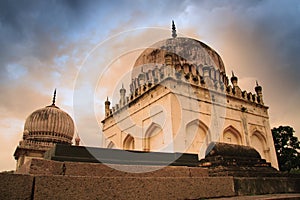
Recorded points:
(180, 99)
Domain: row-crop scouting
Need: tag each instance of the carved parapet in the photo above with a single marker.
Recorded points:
(249, 96)
(244, 94)
(229, 90)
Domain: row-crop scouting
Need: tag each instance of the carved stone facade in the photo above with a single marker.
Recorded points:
(181, 99)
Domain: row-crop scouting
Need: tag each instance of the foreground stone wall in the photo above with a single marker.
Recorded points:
(18, 186)
(263, 185)
(60, 187)
(47, 179)
(14, 186)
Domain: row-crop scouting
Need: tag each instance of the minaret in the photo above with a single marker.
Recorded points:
(258, 90)
(122, 96)
(107, 109)
(234, 80)
(174, 34)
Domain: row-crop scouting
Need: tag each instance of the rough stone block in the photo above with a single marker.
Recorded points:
(15, 186)
(50, 167)
(266, 185)
(41, 166)
(93, 169)
(70, 187)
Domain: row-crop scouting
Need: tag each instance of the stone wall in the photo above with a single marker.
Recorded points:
(50, 167)
(17, 186)
(67, 187)
(266, 185)
(50, 180)
(14, 186)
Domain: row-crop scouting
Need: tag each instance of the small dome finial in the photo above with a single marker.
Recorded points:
(54, 97)
(174, 34)
(77, 140)
(258, 88)
(234, 79)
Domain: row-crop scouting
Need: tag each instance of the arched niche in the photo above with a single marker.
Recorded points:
(197, 137)
(128, 143)
(258, 142)
(232, 136)
(153, 140)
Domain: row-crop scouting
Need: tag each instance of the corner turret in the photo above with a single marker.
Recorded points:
(107, 109)
(122, 96)
(258, 90)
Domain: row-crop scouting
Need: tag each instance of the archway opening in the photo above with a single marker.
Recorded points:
(197, 137)
(232, 136)
(153, 138)
(128, 143)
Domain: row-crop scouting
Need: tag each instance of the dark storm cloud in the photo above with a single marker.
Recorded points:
(266, 30)
(36, 28)
(32, 34)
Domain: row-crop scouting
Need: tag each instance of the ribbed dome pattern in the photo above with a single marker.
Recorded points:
(183, 50)
(49, 124)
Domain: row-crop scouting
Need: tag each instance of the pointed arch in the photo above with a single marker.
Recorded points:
(259, 142)
(232, 136)
(197, 137)
(153, 140)
(128, 143)
(111, 145)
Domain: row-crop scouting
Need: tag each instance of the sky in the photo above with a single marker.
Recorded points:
(84, 48)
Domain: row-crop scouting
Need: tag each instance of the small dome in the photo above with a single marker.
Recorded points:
(182, 50)
(49, 124)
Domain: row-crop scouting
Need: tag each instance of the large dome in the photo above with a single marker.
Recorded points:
(49, 124)
(182, 50)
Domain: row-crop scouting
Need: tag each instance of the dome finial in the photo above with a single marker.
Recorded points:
(234, 79)
(54, 96)
(257, 83)
(77, 140)
(174, 34)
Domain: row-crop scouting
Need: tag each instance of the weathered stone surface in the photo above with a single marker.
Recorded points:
(15, 186)
(266, 185)
(157, 185)
(67, 187)
(50, 167)
(90, 169)
(231, 150)
(40, 166)
(224, 159)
